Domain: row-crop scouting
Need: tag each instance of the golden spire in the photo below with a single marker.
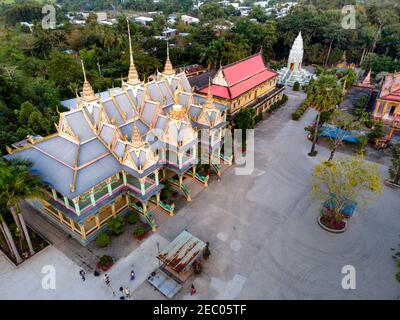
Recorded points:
(209, 100)
(176, 97)
(133, 77)
(87, 91)
(168, 69)
(136, 139)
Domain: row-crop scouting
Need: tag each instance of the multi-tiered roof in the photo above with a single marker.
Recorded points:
(102, 137)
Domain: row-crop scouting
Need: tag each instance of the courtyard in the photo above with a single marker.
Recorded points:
(264, 238)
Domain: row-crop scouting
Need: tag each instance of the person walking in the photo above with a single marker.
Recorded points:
(132, 275)
(127, 293)
(192, 290)
(106, 279)
(82, 273)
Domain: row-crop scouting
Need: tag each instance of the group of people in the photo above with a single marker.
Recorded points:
(125, 293)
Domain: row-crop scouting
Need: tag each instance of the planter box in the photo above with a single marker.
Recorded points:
(390, 183)
(332, 230)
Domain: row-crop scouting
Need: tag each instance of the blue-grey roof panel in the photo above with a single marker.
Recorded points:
(113, 112)
(49, 170)
(95, 173)
(60, 148)
(79, 125)
(90, 151)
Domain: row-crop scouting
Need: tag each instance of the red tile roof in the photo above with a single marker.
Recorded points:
(393, 96)
(242, 76)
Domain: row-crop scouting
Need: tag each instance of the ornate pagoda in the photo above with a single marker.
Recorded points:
(113, 155)
(294, 72)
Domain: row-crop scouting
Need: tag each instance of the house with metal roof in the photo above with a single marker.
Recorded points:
(115, 153)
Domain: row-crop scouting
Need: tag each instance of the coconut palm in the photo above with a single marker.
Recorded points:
(324, 94)
(17, 184)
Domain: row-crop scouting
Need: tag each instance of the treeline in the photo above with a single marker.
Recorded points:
(40, 68)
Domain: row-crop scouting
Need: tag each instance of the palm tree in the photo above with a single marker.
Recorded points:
(323, 95)
(18, 184)
(9, 239)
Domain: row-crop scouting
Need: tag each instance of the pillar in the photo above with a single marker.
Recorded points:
(92, 199)
(77, 209)
(124, 178)
(113, 210)
(53, 191)
(193, 172)
(96, 217)
(60, 216)
(156, 177)
(158, 198)
(142, 187)
(66, 202)
(180, 180)
(385, 107)
(180, 160)
(83, 232)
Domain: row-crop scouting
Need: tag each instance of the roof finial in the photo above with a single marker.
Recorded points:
(83, 70)
(168, 69)
(87, 92)
(209, 99)
(136, 139)
(130, 41)
(133, 77)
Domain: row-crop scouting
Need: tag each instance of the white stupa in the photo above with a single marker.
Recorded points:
(294, 71)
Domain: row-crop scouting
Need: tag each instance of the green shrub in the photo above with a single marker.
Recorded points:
(103, 240)
(105, 262)
(132, 218)
(258, 118)
(296, 86)
(116, 225)
(376, 132)
(398, 276)
(139, 232)
(299, 112)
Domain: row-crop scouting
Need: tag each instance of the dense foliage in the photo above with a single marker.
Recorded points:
(39, 68)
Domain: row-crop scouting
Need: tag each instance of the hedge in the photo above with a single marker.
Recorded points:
(300, 111)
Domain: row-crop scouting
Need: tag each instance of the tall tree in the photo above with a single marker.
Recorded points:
(394, 170)
(323, 95)
(17, 184)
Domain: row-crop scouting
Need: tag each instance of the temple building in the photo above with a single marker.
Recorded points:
(387, 106)
(343, 64)
(114, 155)
(247, 83)
(294, 72)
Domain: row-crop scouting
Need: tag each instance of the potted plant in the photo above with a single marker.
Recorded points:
(132, 218)
(140, 232)
(206, 253)
(197, 267)
(103, 240)
(105, 263)
(116, 225)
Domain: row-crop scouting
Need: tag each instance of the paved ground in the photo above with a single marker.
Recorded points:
(264, 239)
